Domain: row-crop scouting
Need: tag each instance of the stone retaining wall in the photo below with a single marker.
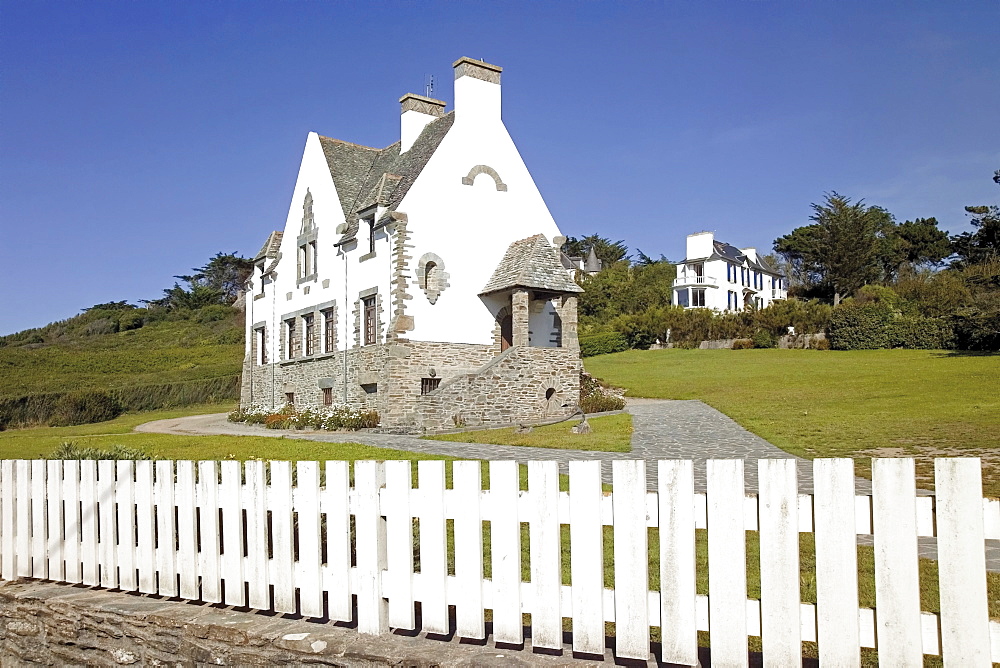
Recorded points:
(53, 624)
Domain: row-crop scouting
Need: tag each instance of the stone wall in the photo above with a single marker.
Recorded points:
(58, 625)
(478, 386)
(522, 384)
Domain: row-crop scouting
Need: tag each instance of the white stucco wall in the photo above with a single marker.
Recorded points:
(470, 227)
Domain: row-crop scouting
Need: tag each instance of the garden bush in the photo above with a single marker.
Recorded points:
(70, 450)
(602, 344)
(742, 344)
(595, 398)
(856, 325)
(763, 339)
(330, 418)
(920, 333)
(84, 407)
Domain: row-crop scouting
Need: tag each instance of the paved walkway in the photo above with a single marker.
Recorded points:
(662, 429)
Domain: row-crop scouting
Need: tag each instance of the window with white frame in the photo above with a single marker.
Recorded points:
(697, 296)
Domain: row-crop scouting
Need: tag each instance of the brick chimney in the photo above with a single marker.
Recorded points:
(415, 112)
(477, 90)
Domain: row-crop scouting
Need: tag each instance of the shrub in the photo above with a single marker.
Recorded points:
(70, 450)
(330, 418)
(921, 333)
(860, 325)
(602, 344)
(742, 344)
(763, 339)
(86, 406)
(212, 313)
(820, 344)
(595, 398)
(129, 320)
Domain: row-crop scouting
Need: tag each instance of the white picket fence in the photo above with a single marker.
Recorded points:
(245, 535)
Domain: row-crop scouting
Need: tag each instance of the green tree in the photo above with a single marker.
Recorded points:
(920, 243)
(225, 272)
(847, 246)
(607, 251)
(982, 245)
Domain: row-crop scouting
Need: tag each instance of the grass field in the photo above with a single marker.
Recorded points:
(858, 404)
(609, 433)
(162, 352)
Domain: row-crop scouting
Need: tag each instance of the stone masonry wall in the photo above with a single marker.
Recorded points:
(478, 387)
(512, 388)
(59, 625)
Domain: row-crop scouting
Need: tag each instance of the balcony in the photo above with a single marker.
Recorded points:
(695, 280)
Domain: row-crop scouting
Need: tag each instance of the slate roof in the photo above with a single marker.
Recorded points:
(723, 251)
(367, 176)
(531, 263)
(270, 247)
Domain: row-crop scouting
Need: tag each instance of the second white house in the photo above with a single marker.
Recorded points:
(719, 276)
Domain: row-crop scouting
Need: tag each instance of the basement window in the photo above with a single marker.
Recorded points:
(428, 385)
(327, 396)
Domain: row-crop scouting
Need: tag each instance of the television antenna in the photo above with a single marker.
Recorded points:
(429, 85)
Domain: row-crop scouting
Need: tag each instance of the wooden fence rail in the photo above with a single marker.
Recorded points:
(308, 541)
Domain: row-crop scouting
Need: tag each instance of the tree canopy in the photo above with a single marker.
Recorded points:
(607, 251)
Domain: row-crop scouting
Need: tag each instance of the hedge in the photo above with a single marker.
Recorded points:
(602, 344)
(98, 405)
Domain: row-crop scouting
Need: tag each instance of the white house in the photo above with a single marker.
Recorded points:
(719, 276)
(418, 279)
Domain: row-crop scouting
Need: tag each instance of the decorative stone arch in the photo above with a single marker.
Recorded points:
(484, 169)
(431, 276)
(503, 331)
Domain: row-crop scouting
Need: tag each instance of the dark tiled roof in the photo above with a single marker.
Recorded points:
(367, 176)
(531, 263)
(270, 247)
(728, 251)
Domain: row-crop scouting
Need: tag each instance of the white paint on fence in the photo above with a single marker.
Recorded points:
(897, 578)
(179, 528)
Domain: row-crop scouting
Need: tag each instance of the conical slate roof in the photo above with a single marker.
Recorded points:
(531, 263)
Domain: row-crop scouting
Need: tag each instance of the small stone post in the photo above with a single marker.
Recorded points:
(519, 310)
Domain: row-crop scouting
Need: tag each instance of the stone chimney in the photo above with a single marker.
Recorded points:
(416, 111)
(477, 90)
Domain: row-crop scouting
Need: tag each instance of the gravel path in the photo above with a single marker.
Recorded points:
(662, 429)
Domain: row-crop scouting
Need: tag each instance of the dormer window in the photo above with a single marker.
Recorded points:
(371, 235)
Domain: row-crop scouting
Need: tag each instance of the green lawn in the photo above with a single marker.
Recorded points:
(860, 404)
(161, 352)
(609, 433)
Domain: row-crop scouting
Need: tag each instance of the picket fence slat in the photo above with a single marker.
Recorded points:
(505, 545)
(336, 506)
(631, 559)
(107, 549)
(187, 530)
(779, 562)
(965, 635)
(373, 611)
(145, 554)
(279, 501)
(544, 555)
(166, 529)
(897, 583)
(8, 536)
(258, 582)
(230, 502)
(90, 568)
(678, 608)
(837, 621)
(252, 534)
(727, 583)
(586, 537)
(307, 508)
(54, 520)
(399, 537)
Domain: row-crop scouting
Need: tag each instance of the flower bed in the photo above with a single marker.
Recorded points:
(330, 418)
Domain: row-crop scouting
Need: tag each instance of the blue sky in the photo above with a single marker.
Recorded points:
(138, 139)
